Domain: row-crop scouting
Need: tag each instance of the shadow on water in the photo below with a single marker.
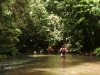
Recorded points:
(41, 64)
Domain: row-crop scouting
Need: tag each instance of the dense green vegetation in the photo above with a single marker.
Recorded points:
(33, 25)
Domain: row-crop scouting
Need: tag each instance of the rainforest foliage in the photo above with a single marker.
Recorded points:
(33, 25)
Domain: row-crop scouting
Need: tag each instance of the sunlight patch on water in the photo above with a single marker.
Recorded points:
(57, 71)
(39, 55)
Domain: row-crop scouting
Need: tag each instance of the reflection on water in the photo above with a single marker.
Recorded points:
(47, 65)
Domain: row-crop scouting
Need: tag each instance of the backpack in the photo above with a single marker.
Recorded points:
(63, 50)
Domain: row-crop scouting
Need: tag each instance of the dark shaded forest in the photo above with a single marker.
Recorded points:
(44, 25)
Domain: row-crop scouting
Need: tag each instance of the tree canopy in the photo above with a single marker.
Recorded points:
(29, 25)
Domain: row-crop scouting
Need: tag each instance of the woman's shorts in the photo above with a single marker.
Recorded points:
(62, 54)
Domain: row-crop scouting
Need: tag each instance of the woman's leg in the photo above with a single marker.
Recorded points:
(63, 57)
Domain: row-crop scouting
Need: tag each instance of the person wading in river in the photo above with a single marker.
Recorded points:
(62, 52)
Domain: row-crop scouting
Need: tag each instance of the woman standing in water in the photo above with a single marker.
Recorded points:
(62, 52)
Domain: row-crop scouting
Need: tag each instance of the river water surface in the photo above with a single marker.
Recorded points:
(50, 64)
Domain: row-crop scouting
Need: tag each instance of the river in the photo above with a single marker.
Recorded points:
(50, 64)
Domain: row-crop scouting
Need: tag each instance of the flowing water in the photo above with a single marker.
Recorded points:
(29, 64)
